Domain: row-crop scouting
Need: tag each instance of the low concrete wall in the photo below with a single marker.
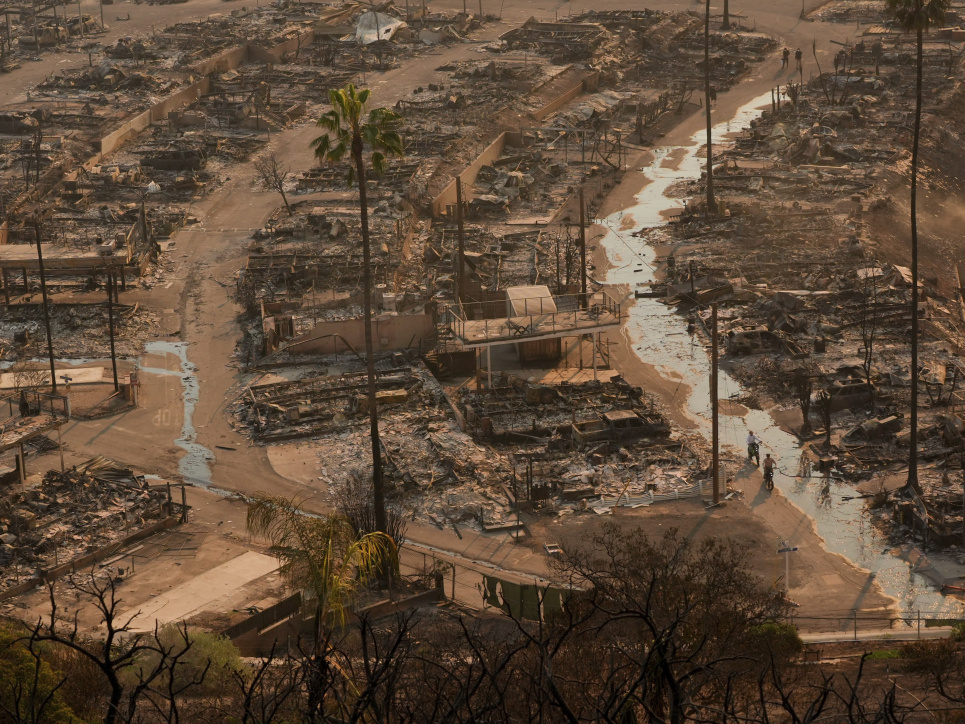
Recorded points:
(222, 62)
(299, 627)
(86, 561)
(157, 112)
(448, 196)
(585, 85)
(396, 332)
(285, 608)
(277, 52)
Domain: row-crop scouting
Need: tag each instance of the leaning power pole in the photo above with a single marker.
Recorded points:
(583, 302)
(111, 282)
(460, 296)
(43, 292)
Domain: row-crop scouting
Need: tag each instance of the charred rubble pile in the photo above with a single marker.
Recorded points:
(589, 445)
(73, 513)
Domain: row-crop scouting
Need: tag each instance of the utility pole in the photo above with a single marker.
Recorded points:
(144, 222)
(715, 421)
(726, 24)
(461, 263)
(80, 16)
(43, 292)
(582, 251)
(38, 151)
(711, 204)
(110, 324)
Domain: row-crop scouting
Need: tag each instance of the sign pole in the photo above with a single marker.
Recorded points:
(787, 573)
(787, 549)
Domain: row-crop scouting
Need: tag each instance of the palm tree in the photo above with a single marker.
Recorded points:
(916, 16)
(349, 132)
(320, 555)
(325, 558)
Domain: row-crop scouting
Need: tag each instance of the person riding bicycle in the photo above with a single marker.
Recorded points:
(754, 448)
(769, 465)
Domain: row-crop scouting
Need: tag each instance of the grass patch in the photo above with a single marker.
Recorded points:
(939, 622)
(884, 654)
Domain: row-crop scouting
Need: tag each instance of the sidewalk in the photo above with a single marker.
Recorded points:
(908, 634)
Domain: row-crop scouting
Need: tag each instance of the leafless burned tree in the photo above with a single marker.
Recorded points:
(273, 174)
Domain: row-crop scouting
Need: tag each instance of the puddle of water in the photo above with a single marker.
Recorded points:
(194, 466)
(658, 337)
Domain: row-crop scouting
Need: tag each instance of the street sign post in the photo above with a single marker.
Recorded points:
(787, 549)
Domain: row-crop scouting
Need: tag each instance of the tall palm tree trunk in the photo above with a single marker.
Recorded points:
(379, 492)
(913, 438)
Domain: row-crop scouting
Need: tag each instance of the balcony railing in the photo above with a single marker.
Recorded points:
(534, 317)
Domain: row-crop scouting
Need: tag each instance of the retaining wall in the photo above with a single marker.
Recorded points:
(157, 112)
(222, 62)
(277, 52)
(448, 196)
(389, 332)
(299, 625)
(86, 561)
(585, 85)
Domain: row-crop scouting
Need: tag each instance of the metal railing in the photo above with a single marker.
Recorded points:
(34, 403)
(854, 623)
(537, 316)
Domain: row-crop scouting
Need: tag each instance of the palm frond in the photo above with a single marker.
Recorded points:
(345, 127)
(915, 15)
(378, 163)
(321, 555)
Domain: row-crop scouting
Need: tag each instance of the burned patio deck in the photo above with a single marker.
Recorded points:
(28, 414)
(560, 316)
(57, 257)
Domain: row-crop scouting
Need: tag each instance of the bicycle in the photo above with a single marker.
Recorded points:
(769, 478)
(754, 453)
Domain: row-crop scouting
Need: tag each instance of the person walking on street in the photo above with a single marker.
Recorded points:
(785, 58)
(797, 57)
(754, 448)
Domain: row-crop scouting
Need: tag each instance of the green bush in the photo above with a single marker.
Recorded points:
(223, 656)
(958, 632)
(35, 685)
(781, 639)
